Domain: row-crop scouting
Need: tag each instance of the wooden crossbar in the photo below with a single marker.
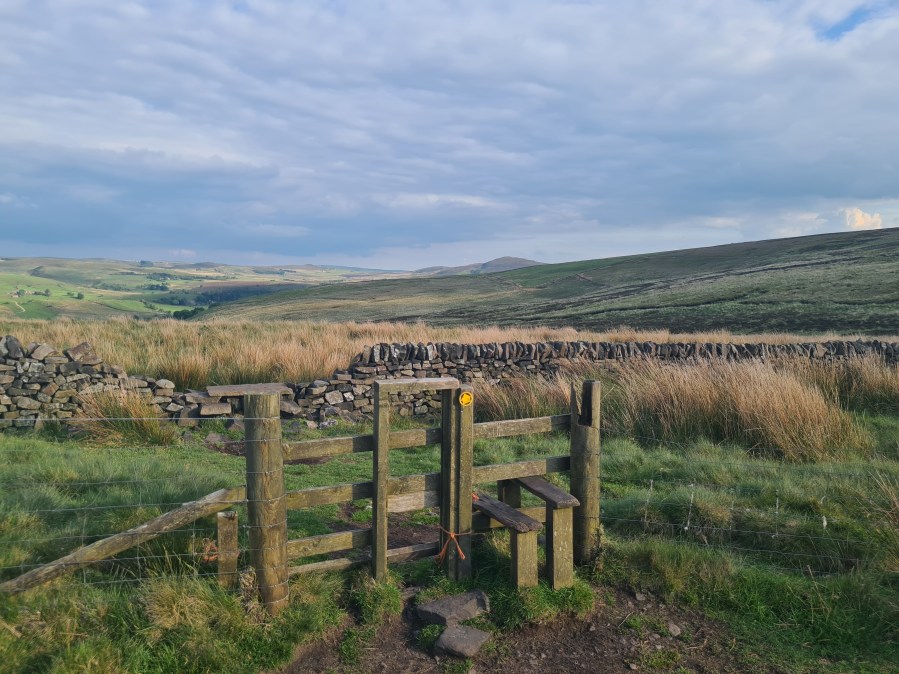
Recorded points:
(550, 493)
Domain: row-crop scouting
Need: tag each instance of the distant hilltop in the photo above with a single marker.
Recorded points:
(499, 264)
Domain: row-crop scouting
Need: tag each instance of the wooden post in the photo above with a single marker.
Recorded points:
(381, 482)
(226, 545)
(585, 448)
(524, 558)
(509, 492)
(455, 480)
(266, 505)
(465, 400)
(559, 550)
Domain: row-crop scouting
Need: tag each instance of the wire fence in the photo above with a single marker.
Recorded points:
(811, 518)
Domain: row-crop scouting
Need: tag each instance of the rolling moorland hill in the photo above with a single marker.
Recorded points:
(46, 288)
(846, 282)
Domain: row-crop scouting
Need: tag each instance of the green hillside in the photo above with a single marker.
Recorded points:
(86, 289)
(846, 282)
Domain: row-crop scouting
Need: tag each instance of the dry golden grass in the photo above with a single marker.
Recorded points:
(199, 354)
(761, 405)
(122, 418)
(863, 383)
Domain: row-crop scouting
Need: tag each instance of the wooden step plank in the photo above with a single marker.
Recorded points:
(553, 495)
(395, 555)
(505, 514)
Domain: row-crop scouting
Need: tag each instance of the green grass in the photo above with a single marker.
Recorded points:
(755, 553)
(829, 282)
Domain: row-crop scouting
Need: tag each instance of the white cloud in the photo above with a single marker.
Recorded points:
(182, 253)
(680, 124)
(856, 218)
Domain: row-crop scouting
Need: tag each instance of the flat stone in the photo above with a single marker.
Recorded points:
(79, 352)
(334, 397)
(213, 409)
(455, 608)
(237, 390)
(165, 383)
(674, 630)
(41, 351)
(290, 408)
(461, 641)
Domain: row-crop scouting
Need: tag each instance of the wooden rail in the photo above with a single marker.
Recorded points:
(108, 547)
(419, 437)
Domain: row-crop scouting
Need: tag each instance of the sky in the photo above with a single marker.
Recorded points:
(400, 134)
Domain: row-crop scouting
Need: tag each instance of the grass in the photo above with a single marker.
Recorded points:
(796, 553)
(808, 285)
(194, 355)
(115, 418)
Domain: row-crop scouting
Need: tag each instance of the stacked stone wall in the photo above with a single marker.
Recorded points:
(39, 382)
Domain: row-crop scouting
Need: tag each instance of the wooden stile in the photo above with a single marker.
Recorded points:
(266, 504)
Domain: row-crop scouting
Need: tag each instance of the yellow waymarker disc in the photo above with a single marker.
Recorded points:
(465, 398)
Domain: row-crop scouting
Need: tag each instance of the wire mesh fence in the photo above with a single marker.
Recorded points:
(57, 497)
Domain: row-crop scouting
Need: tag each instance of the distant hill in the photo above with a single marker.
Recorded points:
(842, 282)
(493, 266)
(96, 288)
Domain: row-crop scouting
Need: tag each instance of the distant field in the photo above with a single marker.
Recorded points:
(46, 288)
(831, 282)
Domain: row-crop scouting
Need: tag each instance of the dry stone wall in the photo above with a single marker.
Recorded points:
(39, 382)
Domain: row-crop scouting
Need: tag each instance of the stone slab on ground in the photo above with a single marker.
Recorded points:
(461, 641)
(455, 608)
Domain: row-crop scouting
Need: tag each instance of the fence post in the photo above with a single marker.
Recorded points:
(381, 482)
(455, 481)
(266, 505)
(585, 455)
(226, 547)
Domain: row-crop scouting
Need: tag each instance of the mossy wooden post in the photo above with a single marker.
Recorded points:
(381, 482)
(227, 550)
(266, 505)
(524, 558)
(585, 447)
(455, 472)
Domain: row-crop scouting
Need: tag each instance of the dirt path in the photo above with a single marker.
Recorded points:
(625, 633)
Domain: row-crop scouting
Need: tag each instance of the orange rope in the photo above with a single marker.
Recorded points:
(450, 536)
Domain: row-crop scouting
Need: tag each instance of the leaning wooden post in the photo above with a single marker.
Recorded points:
(381, 483)
(226, 548)
(266, 505)
(585, 455)
(464, 399)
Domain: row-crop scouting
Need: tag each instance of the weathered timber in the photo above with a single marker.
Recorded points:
(380, 483)
(553, 495)
(524, 558)
(449, 488)
(482, 522)
(313, 449)
(238, 390)
(585, 455)
(396, 555)
(465, 458)
(336, 542)
(425, 487)
(226, 548)
(509, 492)
(418, 385)
(108, 547)
(419, 437)
(507, 515)
(512, 427)
(266, 504)
(510, 471)
(559, 547)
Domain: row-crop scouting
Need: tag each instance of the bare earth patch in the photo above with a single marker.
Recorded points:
(624, 633)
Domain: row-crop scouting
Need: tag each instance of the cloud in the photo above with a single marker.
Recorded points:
(856, 218)
(444, 127)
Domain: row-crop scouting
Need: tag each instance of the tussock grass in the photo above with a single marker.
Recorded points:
(796, 410)
(117, 418)
(754, 404)
(198, 354)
